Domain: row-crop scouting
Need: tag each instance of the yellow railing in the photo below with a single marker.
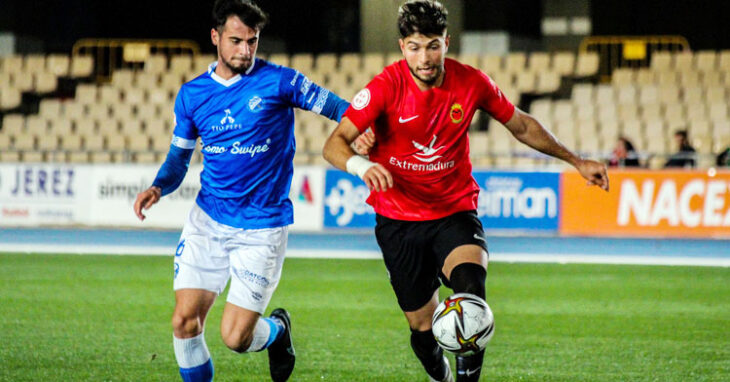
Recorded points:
(128, 53)
(629, 51)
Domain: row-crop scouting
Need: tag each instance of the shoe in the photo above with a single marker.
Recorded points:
(281, 352)
(448, 377)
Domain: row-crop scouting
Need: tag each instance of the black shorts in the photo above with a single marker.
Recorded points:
(414, 252)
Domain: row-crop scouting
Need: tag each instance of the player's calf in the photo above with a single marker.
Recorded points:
(430, 354)
(469, 278)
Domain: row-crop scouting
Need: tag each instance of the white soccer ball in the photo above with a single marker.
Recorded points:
(463, 324)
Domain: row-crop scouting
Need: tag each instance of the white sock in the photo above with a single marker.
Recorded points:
(190, 352)
(261, 335)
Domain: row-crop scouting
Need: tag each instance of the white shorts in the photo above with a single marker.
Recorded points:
(209, 253)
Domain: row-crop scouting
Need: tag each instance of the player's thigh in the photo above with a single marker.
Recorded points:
(410, 261)
(256, 261)
(200, 260)
(460, 239)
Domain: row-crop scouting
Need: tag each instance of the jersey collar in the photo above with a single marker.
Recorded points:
(230, 81)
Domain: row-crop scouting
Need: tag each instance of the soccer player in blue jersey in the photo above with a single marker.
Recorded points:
(242, 109)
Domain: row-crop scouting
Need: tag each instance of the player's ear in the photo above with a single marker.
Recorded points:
(214, 36)
(402, 45)
(446, 42)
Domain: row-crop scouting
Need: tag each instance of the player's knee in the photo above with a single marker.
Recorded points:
(469, 278)
(238, 340)
(185, 327)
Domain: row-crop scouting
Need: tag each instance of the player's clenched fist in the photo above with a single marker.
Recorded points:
(378, 178)
(145, 200)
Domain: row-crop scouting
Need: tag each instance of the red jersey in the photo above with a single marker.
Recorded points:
(422, 138)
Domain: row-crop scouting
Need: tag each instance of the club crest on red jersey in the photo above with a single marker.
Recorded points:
(456, 113)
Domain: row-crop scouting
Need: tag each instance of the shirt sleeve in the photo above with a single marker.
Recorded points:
(301, 92)
(368, 104)
(185, 132)
(493, 101)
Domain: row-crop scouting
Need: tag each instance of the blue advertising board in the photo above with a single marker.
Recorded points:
(507, 200)
(518, 200)
(344, 203)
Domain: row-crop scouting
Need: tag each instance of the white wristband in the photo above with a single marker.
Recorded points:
(358, 165)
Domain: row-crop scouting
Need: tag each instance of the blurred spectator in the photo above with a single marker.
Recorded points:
(723, 158)
(624, 154)
(685, 156)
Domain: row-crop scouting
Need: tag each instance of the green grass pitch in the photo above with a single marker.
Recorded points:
(107, 318)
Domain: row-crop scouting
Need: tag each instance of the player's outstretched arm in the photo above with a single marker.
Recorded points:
(338, 152)
(530, 132)
(145, 200)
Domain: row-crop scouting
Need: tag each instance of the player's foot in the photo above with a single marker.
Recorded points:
(281, 352)
(448, 377)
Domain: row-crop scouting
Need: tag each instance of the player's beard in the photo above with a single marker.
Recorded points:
(430, 80)
(244, 65)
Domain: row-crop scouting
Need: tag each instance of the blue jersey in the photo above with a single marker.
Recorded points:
(246, 127)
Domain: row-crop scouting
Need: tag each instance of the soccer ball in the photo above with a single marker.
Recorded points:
(463, 324)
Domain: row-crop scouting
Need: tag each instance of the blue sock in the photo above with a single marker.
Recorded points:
(201, 373)
(276, 330)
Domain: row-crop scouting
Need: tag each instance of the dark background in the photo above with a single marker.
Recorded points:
(333, 25)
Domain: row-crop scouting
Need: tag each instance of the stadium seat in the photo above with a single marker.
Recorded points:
(34, 63)
(391, 58)
(98, 111)
(586, 113)
(651, 112)
(10, 98)
(525, 81)
(138, 142)
(645, 77)
(86, 93)
(661, 61)
(85, 127)
(303, 62)
(134, 96)
(47, 141)
(562, 111)
(648, 94)
(93, 142)
(470, 59)
(715, 94)
(58, 64)
(121, 111)
(22, 81)
(718, 110)
(515, 62)
(13, 124)
(372, 63)
(325, 62)
(49, 108)
(539, 62)
(201, 62)
(582, 94)
(145, 157)
(181, 64)
(122, 78)
(587, 64)
(71, 142)
(158, 96)
(81, 66)
(78, 157)
(146, 80)
(12, 64)
(35, 124)
(5, 141)
(146, 111)
(705, 61)
(605, 94)
(62, 126)
(171, 81)
(131, 127)
(625, 94)
(563, 63)
(668, 94)
(350, 63)
(623, 76)
(491, 64)
(541, 109)
(24, 141)
(689, 78)
(674, 112)
(607, 112)
(101, 157)
(32, 157)
(504, 79)
(683, 61)
(155, 63)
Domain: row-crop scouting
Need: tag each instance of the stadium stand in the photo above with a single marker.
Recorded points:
(126, 116)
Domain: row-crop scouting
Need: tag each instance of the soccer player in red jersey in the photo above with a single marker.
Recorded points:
(419, 172)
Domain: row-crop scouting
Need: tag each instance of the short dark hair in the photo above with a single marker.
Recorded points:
(246, 10)
(426, 17)
(681, 133)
